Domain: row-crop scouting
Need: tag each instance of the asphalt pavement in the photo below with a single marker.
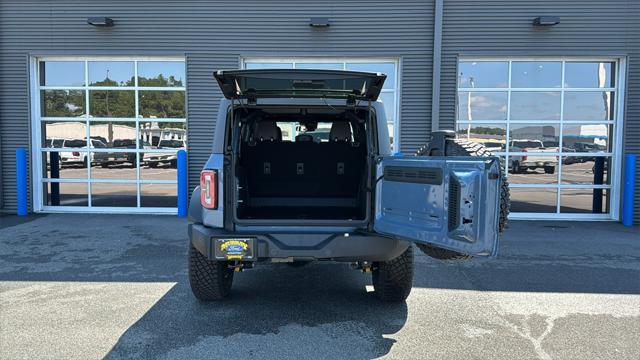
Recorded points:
(114, 286)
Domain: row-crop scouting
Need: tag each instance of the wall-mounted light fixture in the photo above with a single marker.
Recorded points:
(319, 22)
(100, 21)
(546, 20)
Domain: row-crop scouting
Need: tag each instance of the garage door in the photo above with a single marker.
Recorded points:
(106, 132)
(555, 125)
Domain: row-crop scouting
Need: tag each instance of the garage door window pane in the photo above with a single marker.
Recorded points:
(534, 200)
(161, 73)
(531, 105)
(61, 73)
(587, 138)
(55, 133)
(112, 103)
(493, 137)
(589, 74)
(62, 103)
(536, 74)
(483, 74)
(111, 73)
(258, 65)
(388, 69)
(158, 195)
(594, 201)
(162, 104)
(66, 194)
(539, 169)
(328, 66)
(534, 137)
(64, 164)
(588, 105)
(586, 170)
(388, 99)
(486, 105)
(114, 195)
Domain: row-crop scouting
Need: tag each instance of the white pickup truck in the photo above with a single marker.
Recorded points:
(537, 159)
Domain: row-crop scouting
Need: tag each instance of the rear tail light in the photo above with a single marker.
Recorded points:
(525, 157)
(209, 189)
(75, 153)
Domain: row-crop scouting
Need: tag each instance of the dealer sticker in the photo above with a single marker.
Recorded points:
(234, 249)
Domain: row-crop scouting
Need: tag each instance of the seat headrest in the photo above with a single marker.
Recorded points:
(340, 131)
(304, 138)
(267, 131)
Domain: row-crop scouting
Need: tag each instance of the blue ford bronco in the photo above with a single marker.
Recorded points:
(301, 170)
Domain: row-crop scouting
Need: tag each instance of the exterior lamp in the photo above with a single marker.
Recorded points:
(319, 22)
(100, 21)
(546, 21)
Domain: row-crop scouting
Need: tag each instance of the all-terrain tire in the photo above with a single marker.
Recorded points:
(210, 280)
(393, 279)
(549, 169)
(460, 147)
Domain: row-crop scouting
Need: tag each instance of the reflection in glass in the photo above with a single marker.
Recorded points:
(389, 100)
(534, 200)
(113, 194)
(114, 165)
(65, 194)
(327, 66)
(64, 165)
(587, 138)
(63, 103)
(536, 74)
(61, 73)
(256, 65)
(594, 201)
(493, 137)
(162, 104)
(112, 103)
(534, 105)
(114, 134)
(486, 105)
(534, 137)
(589, 74)
(588, 105)
(586, 170)
(54, 134)
(161, 73)
(111, 73)
(538, 169)
(483, 74)
(388, 69)
(152, 132)
(158, 195)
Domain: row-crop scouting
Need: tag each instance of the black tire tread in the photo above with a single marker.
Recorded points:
(209, 280)
(393, 279)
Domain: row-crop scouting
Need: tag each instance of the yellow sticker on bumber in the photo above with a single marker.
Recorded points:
(234, 249)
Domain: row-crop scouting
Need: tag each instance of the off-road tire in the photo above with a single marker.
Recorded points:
(459, 147)
(210, 280)
(393, 279)
(549, 169)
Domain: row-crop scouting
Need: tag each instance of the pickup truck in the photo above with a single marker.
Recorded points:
(520, 163)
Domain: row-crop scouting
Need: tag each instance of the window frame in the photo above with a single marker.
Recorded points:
(37, 120)
(616, 122)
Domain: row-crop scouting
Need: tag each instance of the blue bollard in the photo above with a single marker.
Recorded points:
(629, 188)
(21, 181)
(183, 196)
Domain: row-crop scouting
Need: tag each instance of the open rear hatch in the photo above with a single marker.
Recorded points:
(300, 83)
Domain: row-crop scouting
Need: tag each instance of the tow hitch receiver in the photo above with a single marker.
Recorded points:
(364, 266)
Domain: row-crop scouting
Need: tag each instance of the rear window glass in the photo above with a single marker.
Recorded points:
(295, 131)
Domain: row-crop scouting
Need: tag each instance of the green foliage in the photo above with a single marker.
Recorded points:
(112, 103)
(162, 104)
(482, 130)
(69, 103)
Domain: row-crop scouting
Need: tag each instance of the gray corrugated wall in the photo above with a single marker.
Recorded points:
(212, 35)
(492, 27)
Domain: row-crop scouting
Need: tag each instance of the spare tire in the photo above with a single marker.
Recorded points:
(460, 147)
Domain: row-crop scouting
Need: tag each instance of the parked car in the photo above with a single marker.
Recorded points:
(586, 147)
(521, 163)
(493, 146)
(119, 157)
(155, 158)
(264, 200)
(80, 156)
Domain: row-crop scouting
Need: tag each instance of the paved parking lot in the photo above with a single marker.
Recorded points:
(93, 286)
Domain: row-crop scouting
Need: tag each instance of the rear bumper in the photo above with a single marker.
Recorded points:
(534, 164)
(305, 246)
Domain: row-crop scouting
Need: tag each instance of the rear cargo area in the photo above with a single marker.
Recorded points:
(301, 165)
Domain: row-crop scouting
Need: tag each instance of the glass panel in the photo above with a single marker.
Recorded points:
(389, 101)
(65, 103)
(587, 138)
(535, 105)
(161, 73)
(60, 133)
(111, 73)
(534, 137)
(62, 73)
(390, 130)
(256, 65)
(158, 195)
(482, 105)
(112, 103)
(113, 165)
(111, 194)
(65, 194)
(589, 74)
(586, 170)
(534, 200)
(114, 134)
(536, 74)
(328, 66)
(588, 105)
(594, 201)
(162, 104)
(388, 69)
(533, 169)
(152, 132)
(493, 137)
(64, 165)
(483, 74)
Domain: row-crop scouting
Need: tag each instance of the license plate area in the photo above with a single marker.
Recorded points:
(236, 249)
